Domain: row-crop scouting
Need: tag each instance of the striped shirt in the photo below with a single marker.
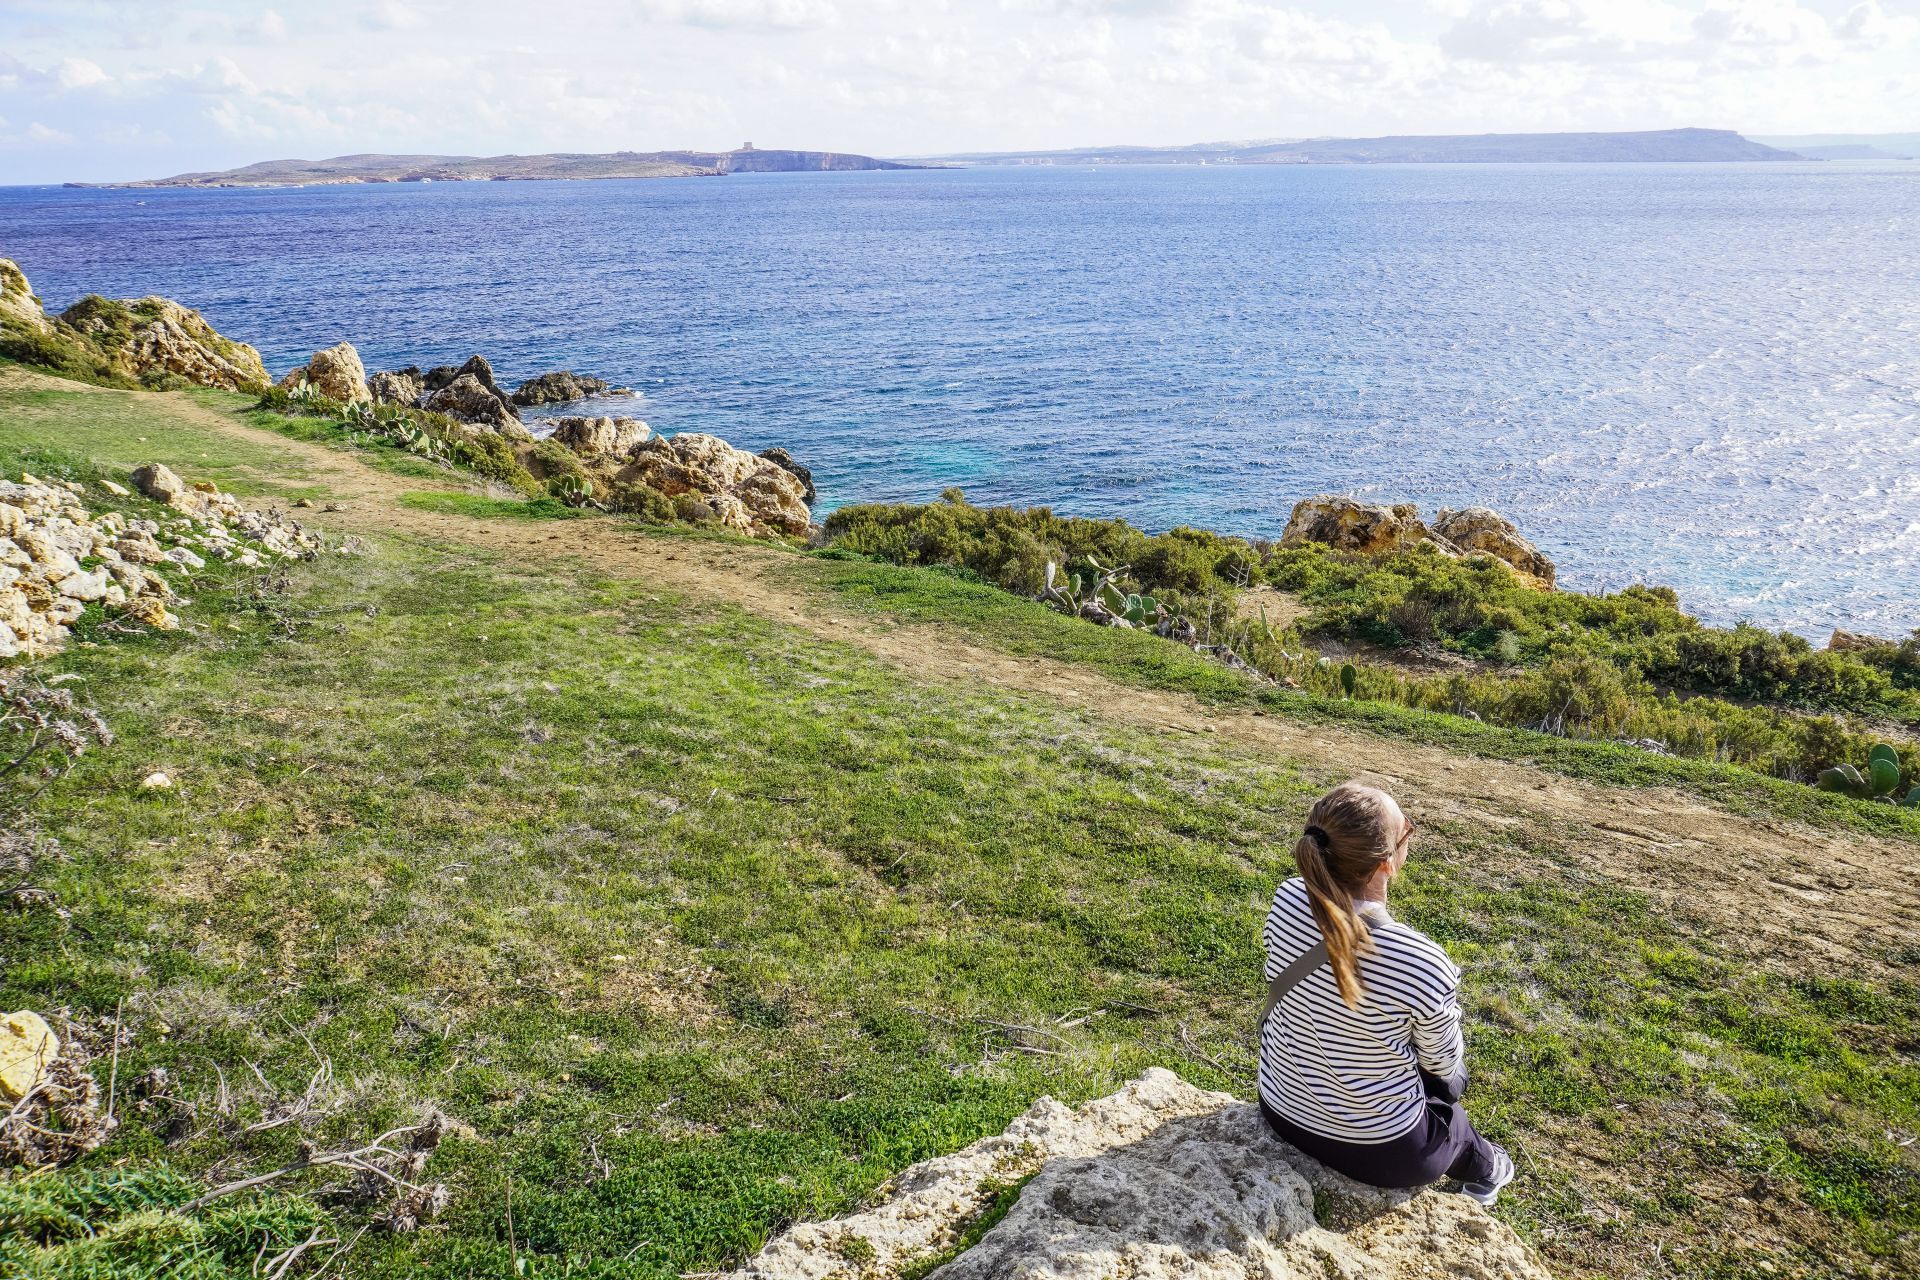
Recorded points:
(1354, 1075)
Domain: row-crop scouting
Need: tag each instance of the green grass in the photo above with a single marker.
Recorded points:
(704, 925)
(1000, 620)
(472, 504)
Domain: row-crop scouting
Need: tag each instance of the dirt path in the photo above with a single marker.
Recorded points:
(1802, 890)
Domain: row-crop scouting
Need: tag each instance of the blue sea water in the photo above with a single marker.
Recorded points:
(1703, 375)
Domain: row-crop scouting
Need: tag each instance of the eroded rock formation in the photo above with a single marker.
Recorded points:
(152, 340)
(558, 388)
(397, 386)
(1371, 528)
(748, 494)
(1490, 533)
(335, 373)
(781, 458)
(601, 436)
(469, 400)
(1158, 1181)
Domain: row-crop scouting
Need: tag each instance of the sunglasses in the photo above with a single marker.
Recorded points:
(1406, 837)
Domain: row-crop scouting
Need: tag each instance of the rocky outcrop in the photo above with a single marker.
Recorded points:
(1480, 529)
(1347, 524)
(1158, 1181)
(335, 373)
(155, 339)
(748, 494)
(397, 386)
(1369, 528)
(1856, 642)
(601, 436)
(477, 367)
(781, 458)
(558, 388)
(19, 308)
(467, 399)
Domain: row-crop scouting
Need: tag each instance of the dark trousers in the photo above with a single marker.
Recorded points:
(1442, 1145)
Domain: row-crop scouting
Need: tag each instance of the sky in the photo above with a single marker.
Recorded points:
(99, 90)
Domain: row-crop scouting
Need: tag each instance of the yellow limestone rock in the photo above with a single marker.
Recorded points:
(27, 1045)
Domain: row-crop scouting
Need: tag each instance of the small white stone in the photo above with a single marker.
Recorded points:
(156, 781)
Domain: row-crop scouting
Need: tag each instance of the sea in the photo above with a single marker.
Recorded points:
(1702, 375)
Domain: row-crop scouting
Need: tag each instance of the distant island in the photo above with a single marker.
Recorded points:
(1660, 145)
(560, 165)
(1482, 148)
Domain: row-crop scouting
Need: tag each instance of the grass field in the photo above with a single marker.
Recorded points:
(700, 924)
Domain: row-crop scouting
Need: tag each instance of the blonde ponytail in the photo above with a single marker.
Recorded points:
(1346, 840)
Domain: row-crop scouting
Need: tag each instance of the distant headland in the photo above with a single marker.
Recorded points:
(1660, 145)
(1656, 146)
(560, 165)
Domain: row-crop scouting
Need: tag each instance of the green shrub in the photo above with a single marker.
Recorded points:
(1011, 546)
(62, 353)
(549, 459)
(643, 500)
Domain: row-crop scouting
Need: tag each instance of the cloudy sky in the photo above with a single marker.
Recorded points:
(105, 89)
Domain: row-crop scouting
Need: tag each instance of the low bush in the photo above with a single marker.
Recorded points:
(1628, 665)
(1011, 546)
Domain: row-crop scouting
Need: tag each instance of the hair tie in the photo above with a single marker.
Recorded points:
(1318, 836)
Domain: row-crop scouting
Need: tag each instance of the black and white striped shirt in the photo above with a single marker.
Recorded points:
(1352, 1074)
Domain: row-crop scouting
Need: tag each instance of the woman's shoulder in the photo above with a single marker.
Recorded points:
(1408, 946)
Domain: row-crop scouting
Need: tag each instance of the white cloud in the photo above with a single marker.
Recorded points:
(391, 15)
(211, 89)
(744, 15)
(268, 28)
(79, 73)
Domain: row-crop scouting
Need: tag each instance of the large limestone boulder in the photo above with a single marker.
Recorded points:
(749, 494)
(468, 399)
(1856, 642)
(335, 373)
(1156, 1182)
(19, 308)
(476, 367)
(558, 388)
(397, 386)
(156, 480)
(1479, 529)
(1348, 524)
(592, 436)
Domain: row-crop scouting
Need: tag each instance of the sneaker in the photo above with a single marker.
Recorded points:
(1489, 1191)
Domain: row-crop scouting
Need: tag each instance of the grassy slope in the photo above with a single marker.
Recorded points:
(704, 925)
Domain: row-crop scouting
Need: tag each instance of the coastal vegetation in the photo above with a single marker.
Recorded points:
(1460, 635)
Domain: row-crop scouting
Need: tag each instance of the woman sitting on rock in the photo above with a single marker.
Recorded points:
(1361, 1058)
